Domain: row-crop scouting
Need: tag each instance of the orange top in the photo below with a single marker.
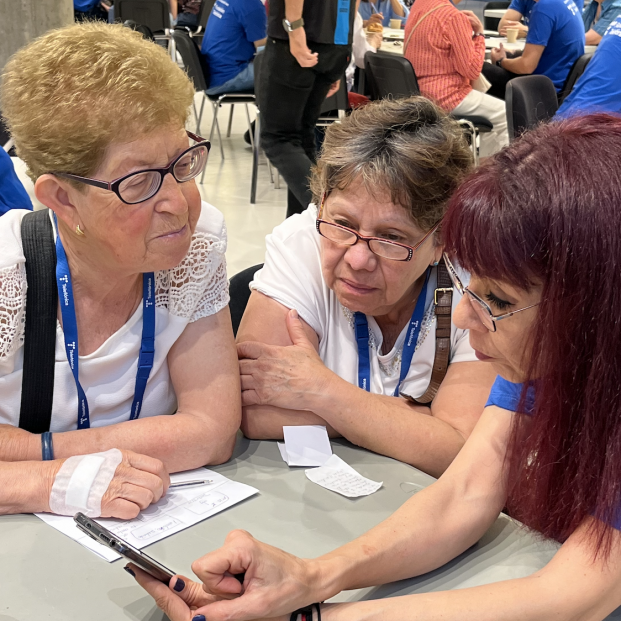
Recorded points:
(445, 57)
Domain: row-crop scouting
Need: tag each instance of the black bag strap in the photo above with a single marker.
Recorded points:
(41, 315)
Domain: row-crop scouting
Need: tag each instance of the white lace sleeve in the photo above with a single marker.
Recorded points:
(198, 286)
(12, 308)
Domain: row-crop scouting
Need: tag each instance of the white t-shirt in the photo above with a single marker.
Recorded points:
(196, 288)
(292, 276)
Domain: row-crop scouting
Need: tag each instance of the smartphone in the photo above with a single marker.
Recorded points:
(103, 535)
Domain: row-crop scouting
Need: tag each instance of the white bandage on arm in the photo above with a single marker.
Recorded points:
(82, 481)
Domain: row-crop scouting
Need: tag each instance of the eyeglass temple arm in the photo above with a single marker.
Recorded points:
(94, 182)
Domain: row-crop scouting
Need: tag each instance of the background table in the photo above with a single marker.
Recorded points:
(497, 13)
(45, 575)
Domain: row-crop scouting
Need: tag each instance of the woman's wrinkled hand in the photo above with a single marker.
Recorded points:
(138, 482)
(285, 377)
(181, 600)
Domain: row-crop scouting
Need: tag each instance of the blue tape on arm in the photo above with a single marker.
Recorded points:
(507, 395)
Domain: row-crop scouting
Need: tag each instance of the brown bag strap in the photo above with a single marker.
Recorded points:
(417, 24)
(443, 298)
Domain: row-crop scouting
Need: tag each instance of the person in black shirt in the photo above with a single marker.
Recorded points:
(307, 51)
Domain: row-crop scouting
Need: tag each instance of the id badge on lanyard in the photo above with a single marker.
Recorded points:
(70, 330)
(361, 327)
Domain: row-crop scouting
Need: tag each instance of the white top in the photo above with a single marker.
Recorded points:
(196, 288)
(292, 276)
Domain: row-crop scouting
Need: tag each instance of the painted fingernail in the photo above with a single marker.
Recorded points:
(179, 585)
(129, 571)
(199, 618)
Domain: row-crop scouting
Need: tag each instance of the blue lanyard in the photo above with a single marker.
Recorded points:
(361, 327)
(70, 329)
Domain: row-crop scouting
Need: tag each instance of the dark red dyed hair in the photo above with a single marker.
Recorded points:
(547, 210)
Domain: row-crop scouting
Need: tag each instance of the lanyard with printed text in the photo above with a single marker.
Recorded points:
(70, 329)
(361, 327)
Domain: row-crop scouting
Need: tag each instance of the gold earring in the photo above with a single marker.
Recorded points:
(79, 231)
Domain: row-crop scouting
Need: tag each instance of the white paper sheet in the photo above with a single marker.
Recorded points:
(179, 509)
(305, 445)
(338, 476)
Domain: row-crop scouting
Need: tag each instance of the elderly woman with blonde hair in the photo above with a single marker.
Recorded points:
(142, 330)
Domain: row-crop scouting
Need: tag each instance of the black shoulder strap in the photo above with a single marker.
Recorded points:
(40, 330)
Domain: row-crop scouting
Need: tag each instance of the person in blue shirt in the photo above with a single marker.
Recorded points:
(597, 17)
(382, 11)
(88, 10)
(236, 28)
(554, 42)
(12, 193)
(599, 88)
(518, 16)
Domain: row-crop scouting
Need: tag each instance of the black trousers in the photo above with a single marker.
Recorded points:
(290, 100)
(499, 77)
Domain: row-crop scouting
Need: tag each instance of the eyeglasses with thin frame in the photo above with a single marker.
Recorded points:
(482, 308)
(381, 247)
(142, 185)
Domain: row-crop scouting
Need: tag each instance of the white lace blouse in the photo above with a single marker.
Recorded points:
(196, 288)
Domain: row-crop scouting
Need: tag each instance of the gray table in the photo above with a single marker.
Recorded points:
(46, 576)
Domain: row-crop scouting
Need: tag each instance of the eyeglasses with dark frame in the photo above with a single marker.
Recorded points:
(377, 245)
(142, 185)
(482, 308)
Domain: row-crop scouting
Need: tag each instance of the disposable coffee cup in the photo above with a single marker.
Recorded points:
(512, 35)
(396, 24)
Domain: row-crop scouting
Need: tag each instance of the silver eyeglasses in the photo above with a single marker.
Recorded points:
(482, 308)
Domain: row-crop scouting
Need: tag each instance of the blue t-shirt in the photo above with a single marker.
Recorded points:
(524, 8)
(12, 192)
(508, 395)
(84, 6)
(385, 8)
(228, 44)
(598, 89)
(610, 10)
(557, 24)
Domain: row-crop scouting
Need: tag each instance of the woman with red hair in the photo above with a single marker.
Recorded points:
(537, 226)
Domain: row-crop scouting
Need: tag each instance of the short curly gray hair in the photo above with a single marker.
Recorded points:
(408, 149)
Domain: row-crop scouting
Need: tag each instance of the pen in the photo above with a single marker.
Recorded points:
(190, 483)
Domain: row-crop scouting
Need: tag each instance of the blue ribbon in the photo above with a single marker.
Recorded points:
(361, 326)
(70, 329)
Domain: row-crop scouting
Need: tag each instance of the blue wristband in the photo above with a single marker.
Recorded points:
(47, 447)
(507, 395)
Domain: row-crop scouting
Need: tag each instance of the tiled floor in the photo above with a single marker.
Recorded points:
(227, 187)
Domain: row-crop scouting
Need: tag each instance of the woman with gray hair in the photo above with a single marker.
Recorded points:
(349, 321)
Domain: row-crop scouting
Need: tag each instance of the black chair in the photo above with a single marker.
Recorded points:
(198, 72)
(576, 71)
(491, 23)
(239, 290)
(198, 32)
(154, 14)
(334, 107)
(531, 100)
(145, 31)
(391, 76)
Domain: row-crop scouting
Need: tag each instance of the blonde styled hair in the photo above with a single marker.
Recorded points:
(71, 93)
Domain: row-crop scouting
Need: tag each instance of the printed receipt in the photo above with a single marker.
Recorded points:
(180, 508)
(340, 477)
